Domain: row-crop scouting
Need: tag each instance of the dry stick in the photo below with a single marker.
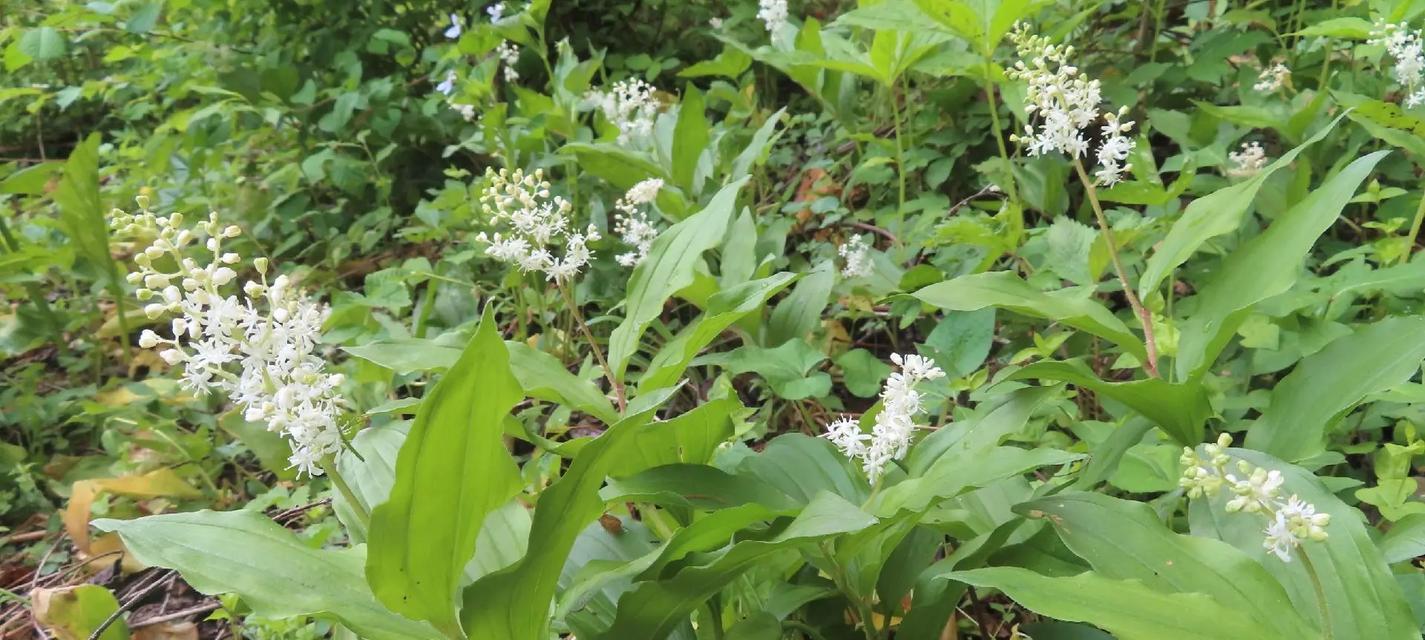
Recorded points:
(1144, 317)
(598, 353)
(181, 613)
(99, 630)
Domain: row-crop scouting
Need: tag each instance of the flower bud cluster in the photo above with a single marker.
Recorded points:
(857, 253)
(259, 349)
(632, 223)
(1247, 162)
(1066, 102)
(533, 220)
(1290, 521)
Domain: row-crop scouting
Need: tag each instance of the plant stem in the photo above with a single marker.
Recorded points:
(715, 617)
(329, 466)
(1414, 230)
(1326, 632)
(863, 610)
(1144, 317)
(999, 134)
(593, 344)
(900, 160)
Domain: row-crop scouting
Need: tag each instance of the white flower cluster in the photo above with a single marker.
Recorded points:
(535, 220)
(630, 105)
(632, 223)
(447, 86)
(496, 11)
(1066, 103)
(1406, 47)
(1247, 162)
(1272, 78)
(857, 253)
(259, 349)
(509, 55)
(453, 32)
(773, 14)
(895, 424)
(1290, 521)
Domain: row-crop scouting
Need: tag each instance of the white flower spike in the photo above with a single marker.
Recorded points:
(895, 425)
(857, 253)
(632, 223)
(534, 221)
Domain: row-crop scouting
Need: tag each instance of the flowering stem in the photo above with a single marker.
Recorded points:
(593, 344)
(1144, 317)
(999, 134)
(330, 467)
(1414, 230)
(900, 159)
(1320, 594)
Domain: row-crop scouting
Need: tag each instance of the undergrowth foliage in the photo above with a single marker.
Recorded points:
(908, 319)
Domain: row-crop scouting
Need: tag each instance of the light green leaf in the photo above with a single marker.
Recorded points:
(1327, 384)
(452, 471)
(43, 43)
(1215, 214)
(690, 137)
(1126, 540)
(1264, 266)
(800, 312)
(1126, 608)
(1008, 291)
(277, 575)
(619, 166)
(667, 269)
(1180, 409)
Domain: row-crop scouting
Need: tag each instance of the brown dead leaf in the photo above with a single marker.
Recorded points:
(158, 483)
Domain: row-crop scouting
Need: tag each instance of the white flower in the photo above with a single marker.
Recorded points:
(1272, 78)
(447, 86)
(773, 14)
(509, 55)
(454, 31)
(630, 105)
(259, 350)
(496, 11)
(1248, 162)
(1405, 47)
(466, 111)
(534, 220)
(1066, 102)
(895, 424)
(856, 252)
(715, 22)
(1290, 522)
(632, 224)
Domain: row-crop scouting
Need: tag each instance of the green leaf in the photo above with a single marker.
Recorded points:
(1328, 384)
(451, 473)
(618, 166)
(1405, 540)
(514, 602)
(960, 470)
(1008, 291)
(724, 309)
(801, 466)
(1363, 597)
(862, 372)
(653, 608)
(756, 151)
(789, 369)
(81, 213)
(1215, 214)
(1264, 266)
(690, 137)
(1126, 608)
(1180, 409)
(730, 63)
(43, 43)
(667, 269)
(800, 312)
(31, 180)
(1126, 540)
(277, 575)
(695, 486)
(78, 611)
(1343, 28)
(961, 341)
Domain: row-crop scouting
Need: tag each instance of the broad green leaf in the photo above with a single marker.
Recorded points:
(1128, 609)
(277, 575)
(800, 312)
(1126, 540)
(1264, 266)
(31, 180)
(1344, 28)
(790, 369)
(1218, 213)
(1180, 409)
(690, 137)
(667, 269)
(1405, 540)
(724, 309)
(1329, 383)
(540, 374)
(1008, 291)
(81, 213)
(961, 341)
(514, 602)
(43, 43)
(653, 608)
(862, 372)
(78, 611)
(696, 486)
(452, 471)
(1364, 599)
(801, 466)
(756, 151)
(988, 426)
(621, 167)
(959, 471)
